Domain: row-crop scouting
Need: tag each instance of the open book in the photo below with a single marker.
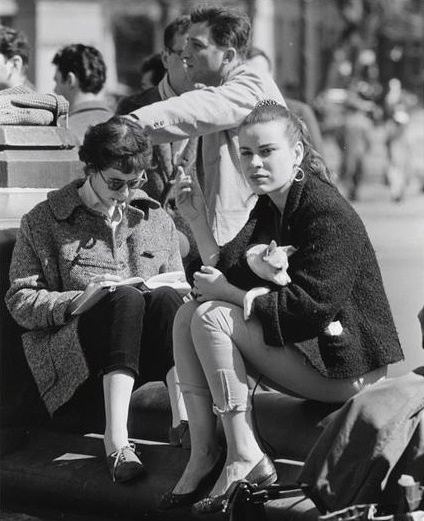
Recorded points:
(173, 279)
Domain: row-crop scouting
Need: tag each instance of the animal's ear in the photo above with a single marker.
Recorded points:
(269, 249)
(289, 250)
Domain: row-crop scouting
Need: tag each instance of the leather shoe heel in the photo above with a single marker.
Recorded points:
(170, 500)
(180, 436)
(262, 475)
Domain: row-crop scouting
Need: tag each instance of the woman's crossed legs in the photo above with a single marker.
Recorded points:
(212, 343)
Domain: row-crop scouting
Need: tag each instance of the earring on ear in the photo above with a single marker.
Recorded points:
(299, 174)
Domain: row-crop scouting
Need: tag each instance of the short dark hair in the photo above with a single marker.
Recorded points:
(180, 25)
(153, 63)
(116, 143)
(85, 62)
(229, 28)
(14, 43)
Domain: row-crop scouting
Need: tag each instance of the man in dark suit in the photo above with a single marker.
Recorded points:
(175, 81)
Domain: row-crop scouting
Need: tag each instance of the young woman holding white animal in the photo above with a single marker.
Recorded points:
(324, 331)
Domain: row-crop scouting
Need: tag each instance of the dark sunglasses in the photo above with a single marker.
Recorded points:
(117, 184)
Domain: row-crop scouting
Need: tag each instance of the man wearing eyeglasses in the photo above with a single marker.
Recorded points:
(175, 81)
(214, 56)
(167, 156)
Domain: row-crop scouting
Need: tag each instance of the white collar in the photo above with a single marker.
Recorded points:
(165, 89)
(91, 199)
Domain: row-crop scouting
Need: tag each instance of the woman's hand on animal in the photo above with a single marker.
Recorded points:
(210, 284)
(188, 196)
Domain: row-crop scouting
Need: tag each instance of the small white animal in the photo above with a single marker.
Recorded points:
(270, 262)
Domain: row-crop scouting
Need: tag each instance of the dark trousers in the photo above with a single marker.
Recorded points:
(126, 330)
(131, 330)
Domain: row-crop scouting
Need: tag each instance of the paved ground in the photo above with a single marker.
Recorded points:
(397, 233)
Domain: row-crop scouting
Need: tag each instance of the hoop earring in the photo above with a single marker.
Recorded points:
(298, 178)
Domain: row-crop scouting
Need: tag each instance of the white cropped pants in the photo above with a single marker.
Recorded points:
(215, 349)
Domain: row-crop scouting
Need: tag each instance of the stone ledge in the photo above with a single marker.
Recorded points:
(15, 202)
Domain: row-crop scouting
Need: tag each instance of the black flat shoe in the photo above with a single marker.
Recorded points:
(262, 475)
(170, 500)
(124, 464)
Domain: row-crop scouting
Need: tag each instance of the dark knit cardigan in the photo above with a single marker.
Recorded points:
(334, 276)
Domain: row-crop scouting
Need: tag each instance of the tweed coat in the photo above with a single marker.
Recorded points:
(61, 244)
(334, 277)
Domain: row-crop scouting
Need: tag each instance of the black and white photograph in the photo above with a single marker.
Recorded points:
(212, 260)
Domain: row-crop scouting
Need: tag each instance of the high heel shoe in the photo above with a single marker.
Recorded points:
(171, 500)
(262, 475)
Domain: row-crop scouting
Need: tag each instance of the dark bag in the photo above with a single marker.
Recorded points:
(375, 438)
(247, 503)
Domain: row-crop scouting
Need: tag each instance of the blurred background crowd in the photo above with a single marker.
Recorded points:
(359, 64)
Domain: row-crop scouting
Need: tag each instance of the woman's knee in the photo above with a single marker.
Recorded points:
(124, 297)
(213, 317)
(182, 326)
(166, 299)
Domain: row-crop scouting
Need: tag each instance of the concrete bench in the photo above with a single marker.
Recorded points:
(32, 442)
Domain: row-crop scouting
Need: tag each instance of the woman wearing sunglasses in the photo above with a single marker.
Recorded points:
(101, 228)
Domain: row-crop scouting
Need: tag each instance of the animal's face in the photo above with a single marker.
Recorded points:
(276, 262)
(270, 262)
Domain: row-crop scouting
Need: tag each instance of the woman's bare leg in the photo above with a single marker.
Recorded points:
(117, 389)
(202, 422)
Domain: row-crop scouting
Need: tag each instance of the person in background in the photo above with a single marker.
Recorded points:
(218, 40)
(103, 228)
(80, 76)
(397, 105)
(166, 158)
(14, 57)
(259, 60)
(173, 81)
(355, 140)
(325, 336)
(151, 71)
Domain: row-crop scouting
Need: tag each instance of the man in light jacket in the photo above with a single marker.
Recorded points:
(218, 42)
